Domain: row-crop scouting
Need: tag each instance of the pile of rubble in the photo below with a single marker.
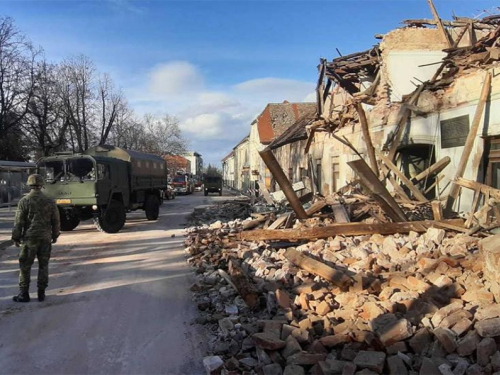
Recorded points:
(405, 304)
(228, 210)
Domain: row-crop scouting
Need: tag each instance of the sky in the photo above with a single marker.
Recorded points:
(216, 64)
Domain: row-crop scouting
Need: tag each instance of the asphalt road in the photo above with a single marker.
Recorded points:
(116, 303)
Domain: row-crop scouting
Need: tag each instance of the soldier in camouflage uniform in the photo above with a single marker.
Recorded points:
(37, 226)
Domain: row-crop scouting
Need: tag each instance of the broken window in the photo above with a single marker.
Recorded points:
(493, 163)
(415, 159)
(318, 175)
(335, 173)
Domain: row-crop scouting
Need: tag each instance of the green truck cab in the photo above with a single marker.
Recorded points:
(212, 184)
(104, 183)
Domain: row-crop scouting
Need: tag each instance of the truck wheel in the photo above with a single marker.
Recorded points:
(69, 220)
(206, 193)
(152, 207)
(112, 219)
(220, 193)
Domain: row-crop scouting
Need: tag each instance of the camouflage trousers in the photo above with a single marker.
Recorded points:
(30, 250)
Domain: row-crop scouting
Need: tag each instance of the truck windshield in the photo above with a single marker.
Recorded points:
(75, 169)
(51, 170)
(80, 169)
(213, 180)
(179, 179)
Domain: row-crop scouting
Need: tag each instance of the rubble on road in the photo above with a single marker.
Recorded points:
(410, 303)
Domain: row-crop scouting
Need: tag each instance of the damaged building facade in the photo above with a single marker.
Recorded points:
(419, 92)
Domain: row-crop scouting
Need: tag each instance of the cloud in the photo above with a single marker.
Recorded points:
(207, 125)
(212, 120)
(276, 89)
(174, 78)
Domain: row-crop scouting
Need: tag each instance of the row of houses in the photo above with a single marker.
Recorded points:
(418, 91)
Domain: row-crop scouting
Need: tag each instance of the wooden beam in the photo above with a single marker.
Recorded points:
(246, 289)
(347, 229)
(398, 189)
(340, 213)
(477, 186)
(317, 268)
(440, 25)
(279, 221)
(437, 210)
(469, 142)
(378, 191)
(433, 169)
(368, 140)
(460, 36)
(417, 194)
(315, 207)
(309, 141)
(402, 123)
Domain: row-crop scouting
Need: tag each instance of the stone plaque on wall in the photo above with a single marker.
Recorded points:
(454, 131)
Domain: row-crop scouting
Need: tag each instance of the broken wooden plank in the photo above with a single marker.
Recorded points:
(475, 202)
(396, 141)
(417, 194)
(250, 224)
(456, 228)
(267, 196)
(440, 25)
(285, 185)
(477, 186)
(378, 191)
(279, 221)
(471, 137)
(366, 135)
(315, 207)
(433, 169)
(317, 268)
(246, 289)
(437, 210)
(347, 229)
(340, 213)
(398, 189)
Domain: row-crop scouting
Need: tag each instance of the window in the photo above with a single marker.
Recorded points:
(102, 171)
(493, 163)
(80, 169)
(318, 175)
(303, 173)
(335, 174)
(51, 170)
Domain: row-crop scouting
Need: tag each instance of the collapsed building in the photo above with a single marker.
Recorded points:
(387, 261)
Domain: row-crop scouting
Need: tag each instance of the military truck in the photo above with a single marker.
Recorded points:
(213, 184)
(104, 183)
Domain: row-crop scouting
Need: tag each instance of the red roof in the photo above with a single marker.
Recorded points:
(277, 117)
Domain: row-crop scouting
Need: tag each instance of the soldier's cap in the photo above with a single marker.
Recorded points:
(35, 180)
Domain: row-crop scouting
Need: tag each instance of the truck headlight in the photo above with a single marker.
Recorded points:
(94, 207)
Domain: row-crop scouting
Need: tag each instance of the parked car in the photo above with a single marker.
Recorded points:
(169, 192)
(198, 184)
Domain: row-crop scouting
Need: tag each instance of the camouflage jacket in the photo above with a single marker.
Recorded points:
(37, 218)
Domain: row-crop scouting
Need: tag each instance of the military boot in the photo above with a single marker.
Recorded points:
(23, 296)
(41, 295)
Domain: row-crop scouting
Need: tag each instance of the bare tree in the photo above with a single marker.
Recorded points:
(17, 80)
(45, 123)
(78, 95)
(112, 107)
(164, 135)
